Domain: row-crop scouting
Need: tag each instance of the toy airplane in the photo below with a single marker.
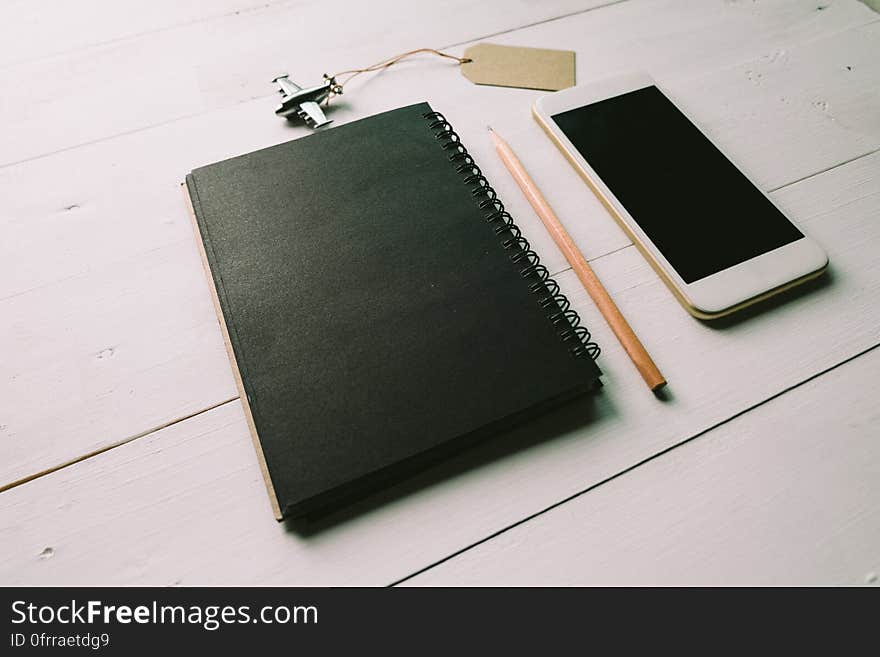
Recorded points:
(305, 103)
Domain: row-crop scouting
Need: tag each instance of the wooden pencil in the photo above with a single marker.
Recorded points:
(621, 328)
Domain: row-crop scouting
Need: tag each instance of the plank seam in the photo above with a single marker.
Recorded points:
(825, 170)
(107, 448)
(628, 469)
(543, 21)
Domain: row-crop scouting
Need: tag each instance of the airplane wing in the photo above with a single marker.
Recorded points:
(312, 114)
(289, 88)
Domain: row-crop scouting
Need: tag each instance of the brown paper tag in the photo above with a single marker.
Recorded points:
(528, 68)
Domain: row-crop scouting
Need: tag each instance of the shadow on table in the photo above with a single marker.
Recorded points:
(825, 281)
(555, 425)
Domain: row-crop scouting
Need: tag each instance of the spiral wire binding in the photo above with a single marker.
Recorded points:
(566, 320)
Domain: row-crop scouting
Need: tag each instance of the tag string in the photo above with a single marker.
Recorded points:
(391, 61)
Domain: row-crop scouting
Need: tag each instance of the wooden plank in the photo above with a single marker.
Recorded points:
(740, 505)
(187, 504)
(49, 27)
(71, 240)
(89, 95)
(116, 87)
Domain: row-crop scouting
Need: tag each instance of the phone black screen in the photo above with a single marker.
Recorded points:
(699, 210)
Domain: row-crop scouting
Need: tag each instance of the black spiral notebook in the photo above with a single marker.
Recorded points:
(381, 308)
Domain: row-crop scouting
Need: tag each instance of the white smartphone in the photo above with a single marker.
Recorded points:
(712, 235)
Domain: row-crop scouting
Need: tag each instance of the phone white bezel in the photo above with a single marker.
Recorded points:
(714, 295)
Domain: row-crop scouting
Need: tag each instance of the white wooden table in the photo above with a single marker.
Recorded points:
(124, 455)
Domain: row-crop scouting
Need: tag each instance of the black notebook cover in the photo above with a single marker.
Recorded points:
(381, 308)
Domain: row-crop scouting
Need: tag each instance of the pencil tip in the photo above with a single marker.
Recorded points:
(489, 128)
